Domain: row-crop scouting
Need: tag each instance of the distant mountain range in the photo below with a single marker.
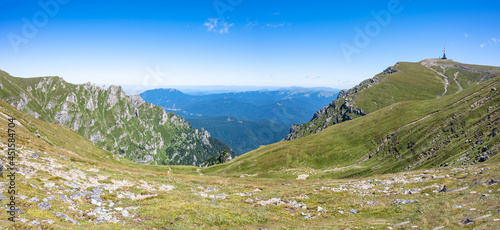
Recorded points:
(261, 117)
(216, 89)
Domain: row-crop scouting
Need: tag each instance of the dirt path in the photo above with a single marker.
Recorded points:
(445, 78)
(455, 75)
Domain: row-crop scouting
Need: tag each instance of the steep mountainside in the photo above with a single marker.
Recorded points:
(124, 125)
(454, 130)
(241, 134)
(428, 79)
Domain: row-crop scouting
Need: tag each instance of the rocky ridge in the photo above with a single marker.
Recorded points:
(122, 124)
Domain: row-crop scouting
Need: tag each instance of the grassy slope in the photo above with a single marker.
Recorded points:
(337, 151)
(412, 82)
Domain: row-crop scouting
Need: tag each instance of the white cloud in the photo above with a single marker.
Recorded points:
(495, 40)
(466, 35)
(250, 25)
(275, 25)
(214, 25)
(313, 77)
(277, 13)
(482, 45)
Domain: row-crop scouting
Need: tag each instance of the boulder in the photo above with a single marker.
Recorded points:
(44, 206)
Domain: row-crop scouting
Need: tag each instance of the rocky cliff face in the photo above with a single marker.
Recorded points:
(122, 124)
(339, 110)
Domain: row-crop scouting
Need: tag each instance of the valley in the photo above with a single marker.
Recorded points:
(260, 117)
(381, 168)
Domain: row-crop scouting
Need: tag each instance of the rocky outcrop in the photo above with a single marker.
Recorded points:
(223, 157)
(390, 70)
(340, 110)
(125, 125)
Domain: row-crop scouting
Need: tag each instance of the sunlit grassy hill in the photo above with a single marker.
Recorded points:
(453, 130)
(405, 81)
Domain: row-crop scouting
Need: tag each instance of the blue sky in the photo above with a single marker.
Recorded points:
(239, 42)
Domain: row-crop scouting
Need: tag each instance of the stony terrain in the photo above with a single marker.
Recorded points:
(58, 193)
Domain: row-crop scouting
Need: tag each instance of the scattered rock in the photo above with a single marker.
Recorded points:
(249, 200)
(72, 184)
(47, 199)
(220, 196)
(491, 182)
(286, 184)
(320, 209)
(48, 221)
(307, 216)
(125, 213)
(35, 223)
(302, 196)
(95, 197)
(371, 203)
(95, 200)
(210, 189)
(274, 201)
(44, 206)
(65, 199)
(34, 199)
(466, 221)
(78, 195)
(352, 211)
(34, 156)
(69, 219)
(401, 201)
(402, 223)
(444, 189)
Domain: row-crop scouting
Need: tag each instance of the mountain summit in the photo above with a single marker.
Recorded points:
(405, 81)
